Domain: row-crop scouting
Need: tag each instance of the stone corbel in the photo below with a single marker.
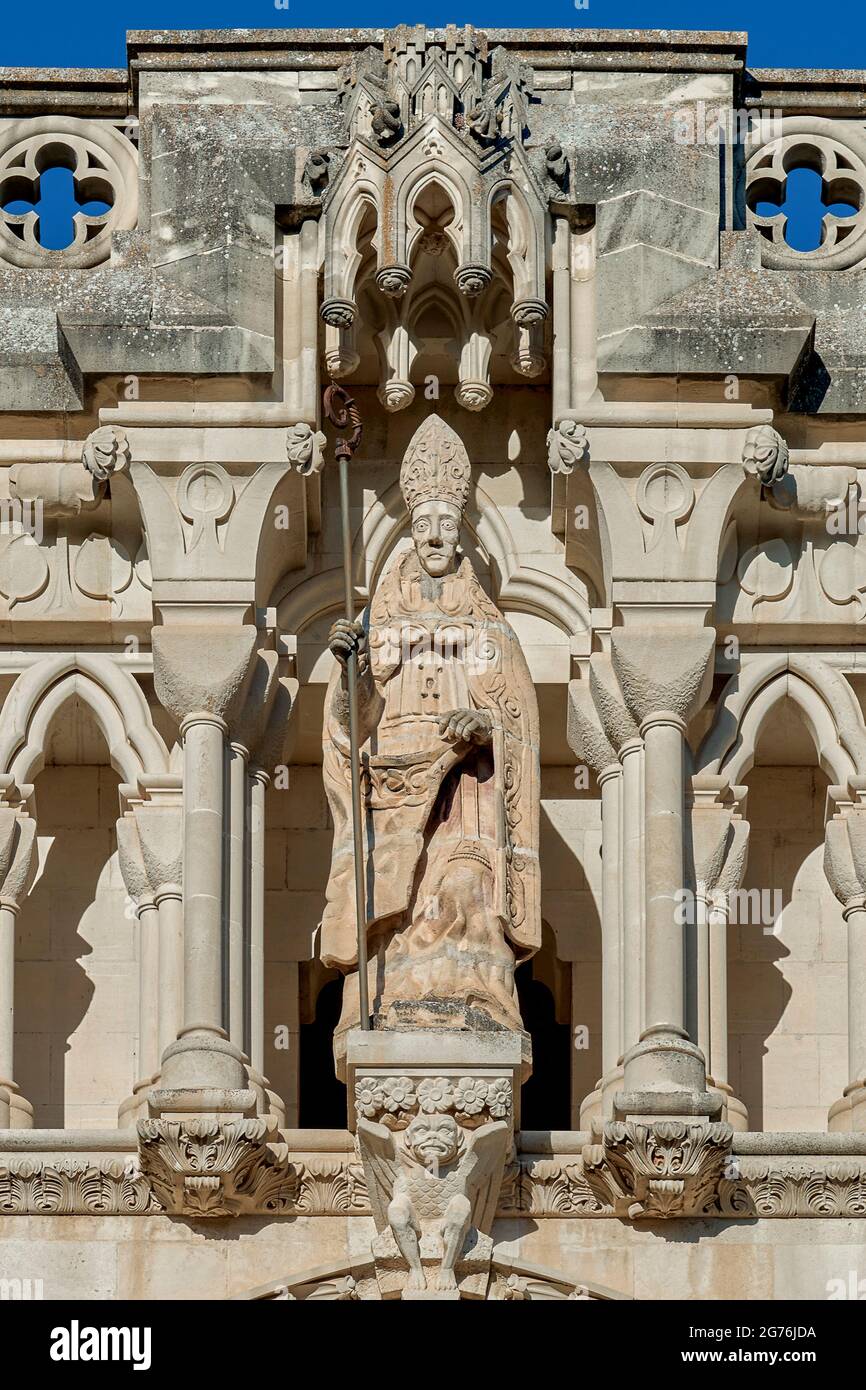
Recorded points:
(528, 357)
(827, 497)
(434, 1115)
(810, 494)
(668, 1168)
(199, 1167)
(67, 489)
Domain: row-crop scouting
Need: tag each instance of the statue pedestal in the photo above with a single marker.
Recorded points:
(435, 1114)
(424, 1054)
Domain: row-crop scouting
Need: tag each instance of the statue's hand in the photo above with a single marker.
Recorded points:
(467, 725)
(345, 638)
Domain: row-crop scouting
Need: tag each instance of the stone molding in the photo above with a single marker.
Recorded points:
(535, 1186)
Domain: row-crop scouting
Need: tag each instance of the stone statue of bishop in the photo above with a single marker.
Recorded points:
(450, 776)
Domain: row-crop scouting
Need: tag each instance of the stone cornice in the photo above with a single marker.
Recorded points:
(536, 1186)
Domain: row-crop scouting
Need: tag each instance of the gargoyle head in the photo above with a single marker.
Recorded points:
(434, 1139)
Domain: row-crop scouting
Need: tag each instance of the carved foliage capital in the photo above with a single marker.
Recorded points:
(669, 1168)
(211, 1167)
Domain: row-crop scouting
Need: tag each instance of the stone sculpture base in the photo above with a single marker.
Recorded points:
(435, 1115)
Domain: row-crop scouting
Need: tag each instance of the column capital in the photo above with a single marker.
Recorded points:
(845, 855)
(17, 859)
(150, 837)
(667, 669)
(586, 737)
(204, 669)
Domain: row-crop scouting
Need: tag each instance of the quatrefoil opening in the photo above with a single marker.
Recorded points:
(806, 195)
(65, 186)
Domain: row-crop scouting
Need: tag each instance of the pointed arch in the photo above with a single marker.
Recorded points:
(828, 706)
(115, 698)
(554, 594)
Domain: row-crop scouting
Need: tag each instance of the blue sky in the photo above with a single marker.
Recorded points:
(782, 33)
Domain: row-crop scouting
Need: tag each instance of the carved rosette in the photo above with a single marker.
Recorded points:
(394, 1100)
(210, 1167)
(669, 1168)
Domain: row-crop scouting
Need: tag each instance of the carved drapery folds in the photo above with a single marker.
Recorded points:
(434, 224)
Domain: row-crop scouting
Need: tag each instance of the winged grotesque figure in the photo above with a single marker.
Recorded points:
(433, 1180)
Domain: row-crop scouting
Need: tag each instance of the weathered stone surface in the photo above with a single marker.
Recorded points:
(605, 440)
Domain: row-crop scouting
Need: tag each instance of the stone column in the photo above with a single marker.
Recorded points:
(203, 1068)
(202, 676)
(258, 784)
(719, 841)
(147, 950)
(148, 843)
(268, 711)
(169, 903)
(17, 869)
(664, 675)
(147, 915)
(845, 867)
(631, 758)
(610, 782)
(236, 846)
(591, 745)
(663, 733)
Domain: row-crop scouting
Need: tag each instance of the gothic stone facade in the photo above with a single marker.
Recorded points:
(538, 242)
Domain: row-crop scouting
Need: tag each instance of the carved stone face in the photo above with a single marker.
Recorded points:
(434, 1139)
(436, 531)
